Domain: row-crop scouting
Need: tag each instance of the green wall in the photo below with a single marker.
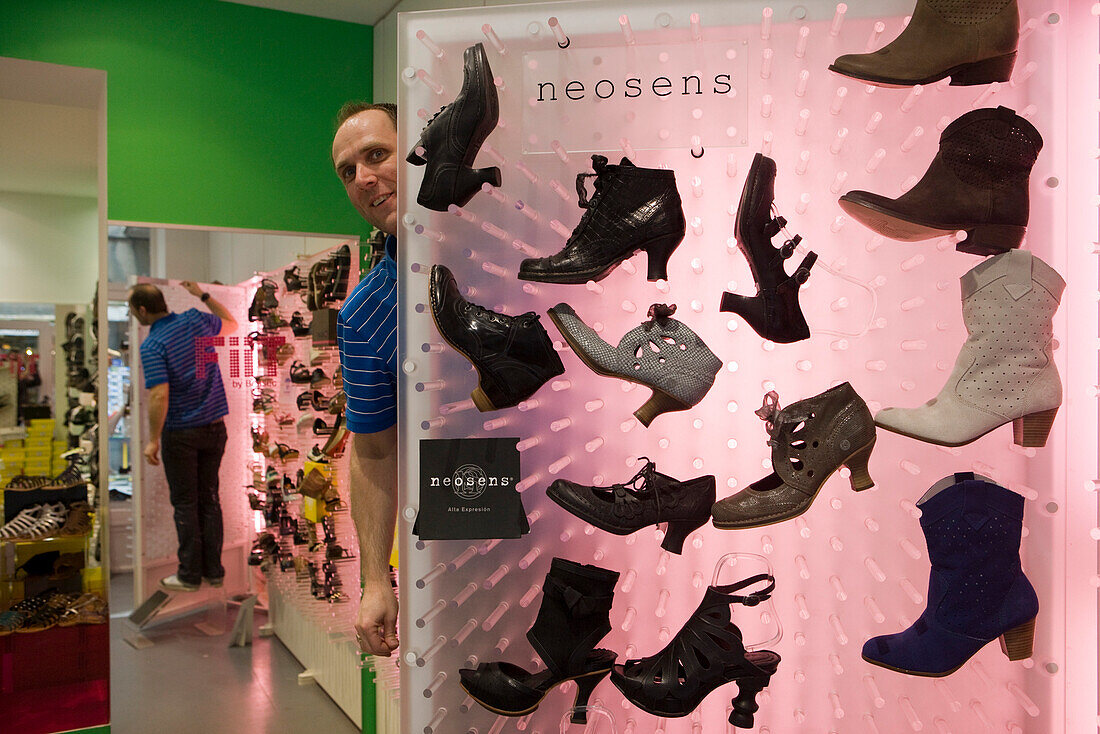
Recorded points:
(217, 114)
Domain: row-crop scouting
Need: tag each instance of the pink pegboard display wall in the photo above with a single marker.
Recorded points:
(884, 316)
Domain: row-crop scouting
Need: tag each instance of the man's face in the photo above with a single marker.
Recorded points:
(364, 152)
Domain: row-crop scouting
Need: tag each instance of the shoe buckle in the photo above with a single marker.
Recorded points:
(789, 246)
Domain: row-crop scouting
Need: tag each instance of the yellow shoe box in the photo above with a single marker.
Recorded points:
(314, 510)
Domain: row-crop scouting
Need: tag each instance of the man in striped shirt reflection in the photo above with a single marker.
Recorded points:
(364, 154)
(186, 407)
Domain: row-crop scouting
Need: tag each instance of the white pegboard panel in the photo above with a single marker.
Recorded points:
(884, 315)
(155, 531)
(320, 633)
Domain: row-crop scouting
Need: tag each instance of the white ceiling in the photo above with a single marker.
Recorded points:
(367, 12)
(48, 128)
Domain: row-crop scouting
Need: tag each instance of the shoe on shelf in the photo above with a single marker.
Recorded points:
(449, 143)
(971, 42)
(78, 521)
(513, 355)
(314, 484)
(774, 312)
(20, 525)
(1005, 370)
(337, 287)
(292, 279)
(663, 354)
(977, 590)
(300, 374)
(632, 209)
(334, 446)
(298, 325)
(305, 420)
(810, 440)
(320, 428)
(573, 618)
(174, 583)
(283, 353)
(49, 522)
(318, 378)
(977, 183)
(648, 498)
(318, 401)
(337, 403)
(316, 455)
(706, 653)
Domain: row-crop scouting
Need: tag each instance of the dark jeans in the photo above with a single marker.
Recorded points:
(192, 458)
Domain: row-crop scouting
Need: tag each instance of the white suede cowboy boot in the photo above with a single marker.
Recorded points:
(1005, 371)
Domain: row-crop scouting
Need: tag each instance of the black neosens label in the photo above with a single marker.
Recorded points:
(468, 489)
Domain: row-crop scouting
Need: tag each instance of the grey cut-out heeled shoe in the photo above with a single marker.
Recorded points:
(663, 354)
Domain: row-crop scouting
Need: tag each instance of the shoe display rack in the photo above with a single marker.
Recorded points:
(699, 91)
(155, 543)
(305, 541)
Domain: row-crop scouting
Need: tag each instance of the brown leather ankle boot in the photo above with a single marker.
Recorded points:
(978, 183)
(972, 42)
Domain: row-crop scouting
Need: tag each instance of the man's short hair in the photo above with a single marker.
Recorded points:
(149, 296)
(351, 109)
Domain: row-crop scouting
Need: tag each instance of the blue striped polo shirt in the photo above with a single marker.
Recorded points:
(366, 333)
(169, 353)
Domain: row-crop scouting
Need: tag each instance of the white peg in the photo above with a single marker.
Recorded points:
(911, 98)
(838, 20)
(876, 31)
(766, 24)
(803, 40)
(425, 39)
(838, 100)
(696, 27)
(803, 122)
(803, 82)
(838, 141)
(628, 32)
(766, 63)
(493, 39)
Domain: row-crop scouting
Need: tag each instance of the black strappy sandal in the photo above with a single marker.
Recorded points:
(291, 279)
(706, 653)
(576, 602)
(774, 312)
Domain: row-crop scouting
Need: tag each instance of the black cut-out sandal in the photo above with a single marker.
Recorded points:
(706, 653)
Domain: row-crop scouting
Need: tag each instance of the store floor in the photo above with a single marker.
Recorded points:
(189, 682)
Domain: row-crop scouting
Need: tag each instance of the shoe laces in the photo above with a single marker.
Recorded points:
(776, 418)
(658, 314)
(642, 482)
(499, 318)
(432, 119)
(599, 165)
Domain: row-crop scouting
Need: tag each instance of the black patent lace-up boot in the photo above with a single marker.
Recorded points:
(513, 355)
(452, 138)
(774, 312)
(978, 183)
(632, 209)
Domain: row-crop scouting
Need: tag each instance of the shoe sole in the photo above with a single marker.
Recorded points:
(906, 229)
(919, 673)
(959, 70)
(177, 588)
(577, 349)
(784, 518)
(552, 688)
(750, 201)
(615, 677)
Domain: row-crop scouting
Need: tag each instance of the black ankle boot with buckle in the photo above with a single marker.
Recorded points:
(573, 618)
(513, 355)
(774, 312)
(632, 209)
(452, 138)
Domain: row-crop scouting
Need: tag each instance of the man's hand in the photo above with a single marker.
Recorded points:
(192, 288)
(376, 626)
(151, 450)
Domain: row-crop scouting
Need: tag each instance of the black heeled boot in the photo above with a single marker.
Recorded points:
(453, 137)
(774, 312)
(513, 355)
(632, 209)
(298, 325)
(706, 653)
(573, 618)
(649, 498)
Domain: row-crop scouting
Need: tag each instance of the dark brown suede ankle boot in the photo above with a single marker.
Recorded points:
(977, 183)
(972, 41)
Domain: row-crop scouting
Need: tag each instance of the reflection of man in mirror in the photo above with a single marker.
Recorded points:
(364, 153)
(185, 415)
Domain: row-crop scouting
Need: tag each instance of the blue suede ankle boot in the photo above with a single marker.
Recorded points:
(977, 590)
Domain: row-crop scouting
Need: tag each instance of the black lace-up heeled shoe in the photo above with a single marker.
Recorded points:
(774, 312)
(573, 618)
(706, 653)
(632, 209)
(452, 138)
(513, 355)
(649, 498)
